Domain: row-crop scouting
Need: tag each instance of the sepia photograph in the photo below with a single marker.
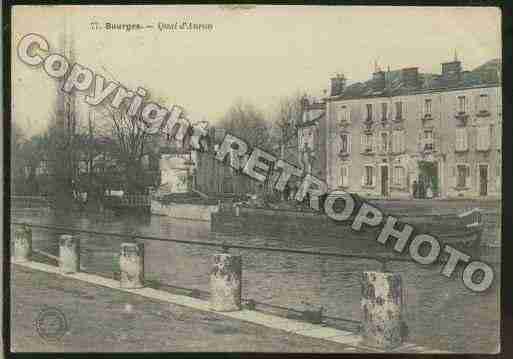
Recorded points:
(254, 178)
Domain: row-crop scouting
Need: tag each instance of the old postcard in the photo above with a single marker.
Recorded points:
(255, 179)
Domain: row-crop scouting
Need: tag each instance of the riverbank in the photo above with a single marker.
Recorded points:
(102, 317)
(438, 310)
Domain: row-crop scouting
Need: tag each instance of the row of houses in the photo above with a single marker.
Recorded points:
(404, 129)
(381, 138)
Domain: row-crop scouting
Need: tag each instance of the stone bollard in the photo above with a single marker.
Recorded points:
(382, 324)
(23, 244)
(131, 265)
(69, 253)
(225, 283)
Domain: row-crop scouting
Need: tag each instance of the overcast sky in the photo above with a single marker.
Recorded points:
(258, 54)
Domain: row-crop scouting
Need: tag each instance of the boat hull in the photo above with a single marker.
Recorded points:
(309, 227)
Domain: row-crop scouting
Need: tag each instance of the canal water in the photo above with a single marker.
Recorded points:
(440, 312)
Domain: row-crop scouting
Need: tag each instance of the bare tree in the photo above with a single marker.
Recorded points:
(247, 122)
(130, 138)
(287, 116)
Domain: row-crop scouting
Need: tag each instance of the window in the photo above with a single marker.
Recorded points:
(384, 107)
(399, 110)
(369, 112)
(369, 176)
(345, 143)
(343, 180)
(367, 142)
(462, 104)
(483, 138)
(399, 176)
(428, 140)
(384, 142)
(343, 114)
(427, 106)
(461, 139)
(484, 103)
(398, 145)
(463, 172)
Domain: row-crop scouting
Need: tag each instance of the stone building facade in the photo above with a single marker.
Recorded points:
(311, 142)
(443, 131)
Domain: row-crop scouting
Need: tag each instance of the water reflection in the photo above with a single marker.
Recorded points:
(440, 312)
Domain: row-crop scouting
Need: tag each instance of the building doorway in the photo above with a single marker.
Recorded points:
(428, 179)
(384, 181)
(483, 180)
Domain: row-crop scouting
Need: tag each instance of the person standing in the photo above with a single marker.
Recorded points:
(429, 190)
(415, 189)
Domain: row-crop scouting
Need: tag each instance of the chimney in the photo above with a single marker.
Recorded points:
(410, 76)
(451, 73)
(338, 84)
(378, 81)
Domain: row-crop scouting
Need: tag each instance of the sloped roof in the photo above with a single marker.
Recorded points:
(485, 74)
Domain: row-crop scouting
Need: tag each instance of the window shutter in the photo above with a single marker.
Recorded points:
(461, 139)
(420, 141)
(345, 177)
(375, 142)
(374, 176)
(483, 138)
(402, 141)
(498, 136)
(363, 175)
(487, 135)
(348, 143)
(362, 142)
(458, 140)
(405, 109)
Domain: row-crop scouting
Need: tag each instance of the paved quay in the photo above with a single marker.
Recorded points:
(101, 316)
